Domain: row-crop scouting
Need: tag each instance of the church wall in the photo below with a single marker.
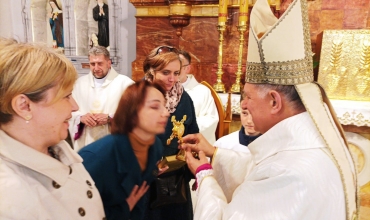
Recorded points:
(11, 20)
(200, 37)
(338, 14)
(16, 21)
(127, 28)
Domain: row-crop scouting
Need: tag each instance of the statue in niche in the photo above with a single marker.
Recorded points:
(56, 24)
(93, 41)
(100, 14)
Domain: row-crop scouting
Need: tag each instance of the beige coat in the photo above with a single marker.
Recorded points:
(36, 186)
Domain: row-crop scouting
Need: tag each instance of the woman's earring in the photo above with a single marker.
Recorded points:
(28, 118)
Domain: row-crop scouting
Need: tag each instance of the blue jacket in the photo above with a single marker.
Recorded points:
(182, 210)
(113, 166)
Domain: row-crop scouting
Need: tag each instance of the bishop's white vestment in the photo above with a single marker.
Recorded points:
(205, 107)
(288, 175)
(93, 99)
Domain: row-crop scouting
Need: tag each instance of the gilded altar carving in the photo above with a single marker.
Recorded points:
(345, 64)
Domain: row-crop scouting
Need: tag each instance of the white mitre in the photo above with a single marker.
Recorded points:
(279, 52)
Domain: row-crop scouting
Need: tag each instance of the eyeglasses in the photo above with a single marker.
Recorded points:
(166, 49)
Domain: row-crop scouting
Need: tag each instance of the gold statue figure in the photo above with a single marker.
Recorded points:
(177, 132)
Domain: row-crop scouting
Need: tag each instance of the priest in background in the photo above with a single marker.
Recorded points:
(204, 104)
(97, 95)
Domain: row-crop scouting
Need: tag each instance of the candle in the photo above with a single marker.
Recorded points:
(243, 12)
(222, 12)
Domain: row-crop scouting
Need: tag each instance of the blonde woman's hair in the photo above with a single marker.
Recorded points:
(31, 70)
(157, 62)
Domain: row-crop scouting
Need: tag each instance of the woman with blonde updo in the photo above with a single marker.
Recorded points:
(163, 65)
(41, 176)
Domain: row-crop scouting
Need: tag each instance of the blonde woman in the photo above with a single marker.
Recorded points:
(41, 176)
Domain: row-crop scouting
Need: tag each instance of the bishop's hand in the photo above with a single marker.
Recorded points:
(194, 163)
(196, 142)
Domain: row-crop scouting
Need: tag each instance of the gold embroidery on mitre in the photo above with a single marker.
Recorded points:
(290, 72)
(282, 73)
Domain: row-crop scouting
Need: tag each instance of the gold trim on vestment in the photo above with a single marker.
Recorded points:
(314, 99)
(214, 155)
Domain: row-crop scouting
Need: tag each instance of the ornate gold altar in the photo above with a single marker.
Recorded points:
(345, 64)
(344, 72)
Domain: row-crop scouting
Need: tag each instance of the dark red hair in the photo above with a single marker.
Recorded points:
(126, 117)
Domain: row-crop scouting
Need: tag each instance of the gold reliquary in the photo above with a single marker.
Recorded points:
(344, 69)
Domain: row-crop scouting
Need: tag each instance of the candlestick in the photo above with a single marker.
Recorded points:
(222, 12)
(236, 87)
(219, 86)
(243, 12)
(277, 3)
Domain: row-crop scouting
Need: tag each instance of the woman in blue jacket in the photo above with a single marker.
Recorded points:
(124, 163)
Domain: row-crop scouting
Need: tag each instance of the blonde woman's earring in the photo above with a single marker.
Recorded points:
(28, 118)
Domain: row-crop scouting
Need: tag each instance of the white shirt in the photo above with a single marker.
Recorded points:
(99, 82)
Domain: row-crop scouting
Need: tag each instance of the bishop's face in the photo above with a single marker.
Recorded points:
(258, 106)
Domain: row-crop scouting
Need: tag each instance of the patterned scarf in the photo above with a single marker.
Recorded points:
(173, 97)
